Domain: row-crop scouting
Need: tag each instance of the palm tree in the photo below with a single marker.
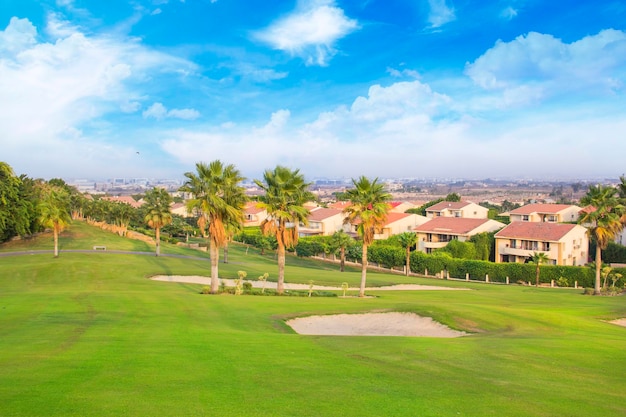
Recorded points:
(284, 198)
(158, 213)
(604, 219)
(54, 211)
(369, 208)
(621, 187)
(219, 197)
(408, 240)
(539, 258)
(340, 240)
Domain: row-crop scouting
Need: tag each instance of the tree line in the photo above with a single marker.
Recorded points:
(217, 199)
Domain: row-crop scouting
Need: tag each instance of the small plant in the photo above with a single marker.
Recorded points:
(206, 290)
(239, 283)
(310, 286)
(263, 278)
(247, 287)
(562, 282)
(344, 287)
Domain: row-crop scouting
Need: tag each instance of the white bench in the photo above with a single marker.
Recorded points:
(99, 248)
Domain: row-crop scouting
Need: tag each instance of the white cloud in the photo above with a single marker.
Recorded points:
(50, 91)
(156, 12)
(156, 111)
(159, 111)
(185, 114)
(20, 34)
(310, 32)
(508, 13)
(440, 13)
(547, 63)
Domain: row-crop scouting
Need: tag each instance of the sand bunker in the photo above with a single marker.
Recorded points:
(372, 324)
(619, 322)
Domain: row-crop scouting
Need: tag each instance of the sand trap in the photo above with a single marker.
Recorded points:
(372, 324)
(619, 322)
(196, 279)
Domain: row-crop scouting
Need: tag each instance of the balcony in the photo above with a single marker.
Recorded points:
(434, 245)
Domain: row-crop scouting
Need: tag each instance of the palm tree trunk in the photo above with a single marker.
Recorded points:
(55, 233)
(157, 235)
(214, 254)
(408, 261)
(280, 287)
(363, 272)
(596, 289)
(537, 276)
(342, 263)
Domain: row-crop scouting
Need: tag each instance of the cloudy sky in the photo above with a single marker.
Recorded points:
(388, 88)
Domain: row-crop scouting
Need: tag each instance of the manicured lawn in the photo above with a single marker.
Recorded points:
(88, 334)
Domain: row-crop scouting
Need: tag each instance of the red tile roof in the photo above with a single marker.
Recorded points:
(541, 208)
(451, 225)
(340, 205)
(393, 217)
(547, 232)
(320, 214)
(252, 208)
(448, 205)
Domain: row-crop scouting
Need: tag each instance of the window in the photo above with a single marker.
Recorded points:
(525, 218)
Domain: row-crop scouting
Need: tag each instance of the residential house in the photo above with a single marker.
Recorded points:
(400, 206)
(179, 209)
(439, 231)
(551, 213)
(459, 209)
(322, 222)
(399, 223)
(339, 205)
(253, 215)
(563, 243)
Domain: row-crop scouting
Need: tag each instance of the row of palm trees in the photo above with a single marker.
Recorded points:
(218, 199)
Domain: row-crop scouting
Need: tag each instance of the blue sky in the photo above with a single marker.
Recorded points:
(387, 88)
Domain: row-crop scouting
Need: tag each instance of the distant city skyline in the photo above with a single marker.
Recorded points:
(338, 89)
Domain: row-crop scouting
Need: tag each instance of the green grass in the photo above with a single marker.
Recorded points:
(88, 334)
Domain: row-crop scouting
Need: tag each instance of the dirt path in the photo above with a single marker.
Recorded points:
(196, 279)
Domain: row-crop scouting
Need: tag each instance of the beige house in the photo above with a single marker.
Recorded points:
(395, 224)
(439, 231)
(322, 221)
(551, 213)
(462, 209)
(253, 215)
(399, 223)
(179, 209)
(564, 244)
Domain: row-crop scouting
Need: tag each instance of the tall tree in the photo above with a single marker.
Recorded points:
(219, 198)
(369, 208)
(54, 211)
(539, 258)
(604, 219)
(158, 213)
(17, 211)
(285, 192)
(408, 240)
(340, 240)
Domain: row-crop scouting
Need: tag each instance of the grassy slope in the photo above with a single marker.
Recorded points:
(88, 334)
